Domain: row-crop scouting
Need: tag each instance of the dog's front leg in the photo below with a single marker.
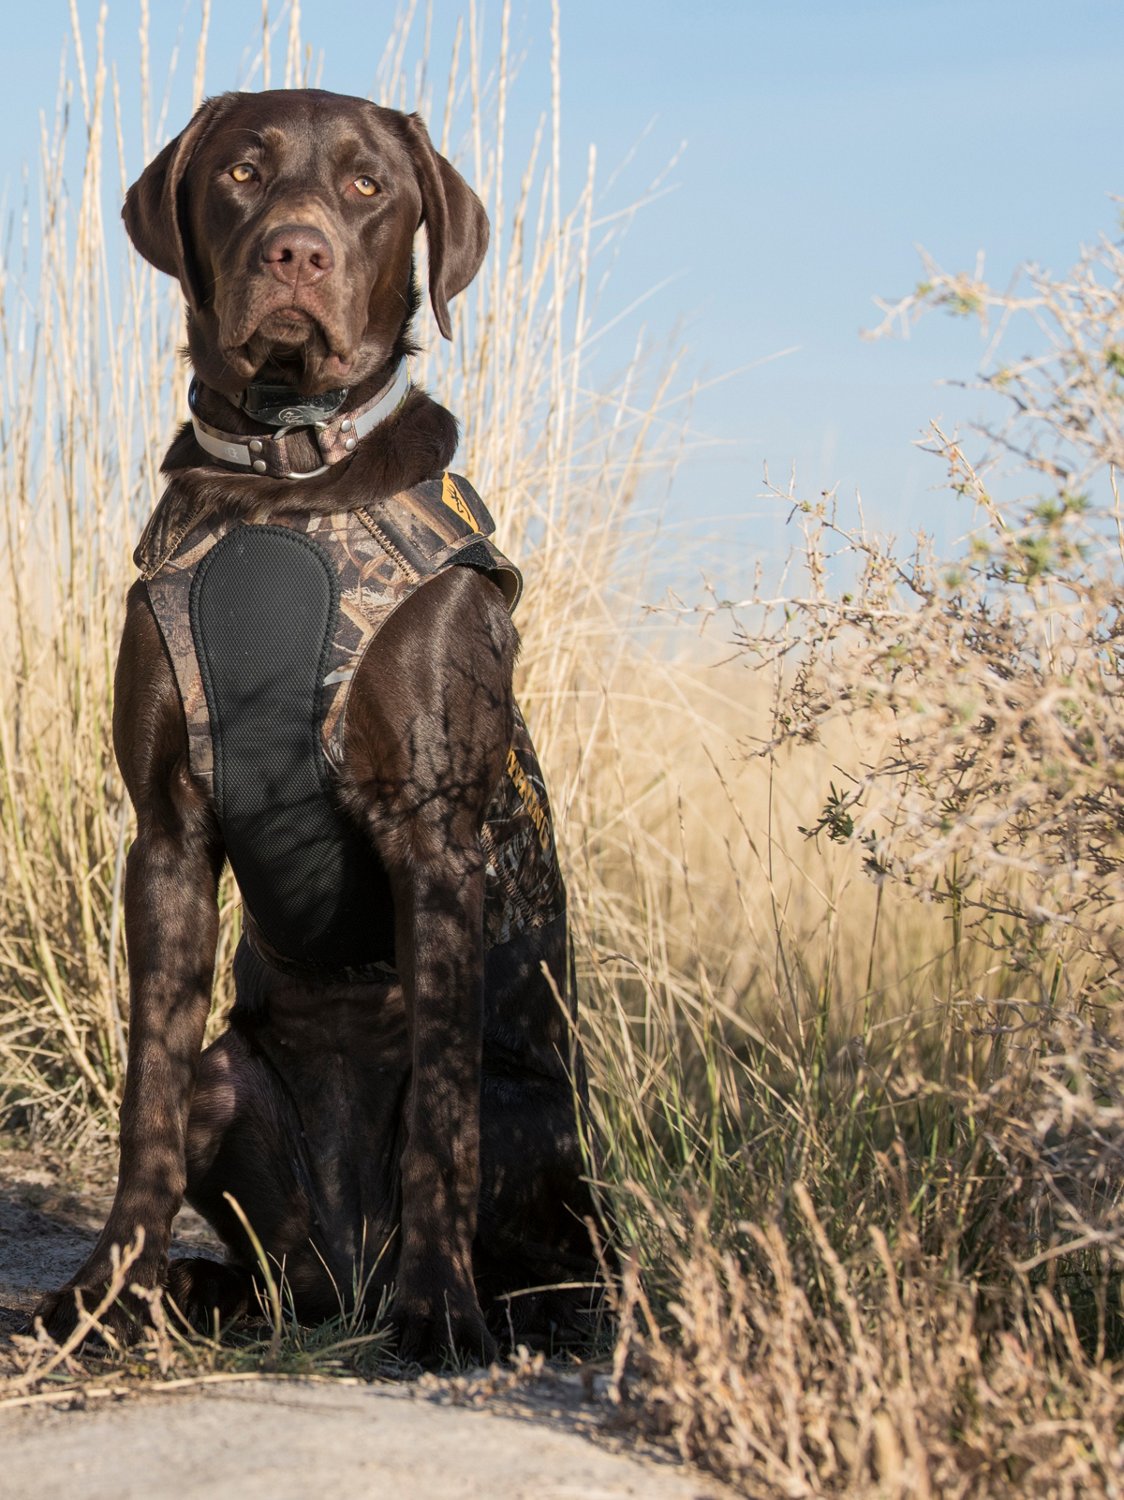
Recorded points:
(171, 928)
(438, 905)
(429, 726)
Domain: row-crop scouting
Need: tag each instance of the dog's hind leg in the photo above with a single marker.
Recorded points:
(536, 1202)
(309, 1159)
(536, 1268)
(245, 1152)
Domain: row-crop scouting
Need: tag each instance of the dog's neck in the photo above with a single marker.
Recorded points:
(333, 427)
(247, 415)
(417, 442)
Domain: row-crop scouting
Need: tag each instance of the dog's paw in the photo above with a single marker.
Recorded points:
(204, 1290)
(437, 1329)
(65, 1312)
(84, 1306)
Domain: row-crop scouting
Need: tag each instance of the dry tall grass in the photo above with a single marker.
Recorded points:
(859, 1092)
(916, 1287)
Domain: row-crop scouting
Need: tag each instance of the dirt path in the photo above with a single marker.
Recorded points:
(282, 1438)
(291, 1439)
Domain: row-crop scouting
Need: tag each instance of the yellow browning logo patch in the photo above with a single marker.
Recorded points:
(535, 810)
(456, 502)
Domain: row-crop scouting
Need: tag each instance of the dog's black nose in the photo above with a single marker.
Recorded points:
(297, 252)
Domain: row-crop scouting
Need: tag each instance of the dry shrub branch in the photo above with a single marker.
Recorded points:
(931, 1303)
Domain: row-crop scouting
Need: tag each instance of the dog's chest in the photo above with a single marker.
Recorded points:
(266, 625)
(263, 612)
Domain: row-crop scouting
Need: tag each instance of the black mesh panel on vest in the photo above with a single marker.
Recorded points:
(263, 608)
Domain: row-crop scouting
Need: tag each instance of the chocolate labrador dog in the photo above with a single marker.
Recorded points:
(315, 683)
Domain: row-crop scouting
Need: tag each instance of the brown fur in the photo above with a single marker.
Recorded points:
(420, 1132)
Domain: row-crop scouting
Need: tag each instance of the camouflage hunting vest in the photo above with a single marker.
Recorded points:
(266, 624)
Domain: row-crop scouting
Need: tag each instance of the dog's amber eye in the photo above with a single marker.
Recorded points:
(242, 171)
(367, 186)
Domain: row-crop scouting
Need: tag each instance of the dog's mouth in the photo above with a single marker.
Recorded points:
(288, 325)
(293, 343)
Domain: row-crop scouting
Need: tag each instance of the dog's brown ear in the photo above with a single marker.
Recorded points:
(153, 211)
(455, 222)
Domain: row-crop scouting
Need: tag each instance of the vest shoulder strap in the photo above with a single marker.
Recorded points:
(441, 522)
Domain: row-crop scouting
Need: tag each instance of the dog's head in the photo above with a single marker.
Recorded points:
(288, 218)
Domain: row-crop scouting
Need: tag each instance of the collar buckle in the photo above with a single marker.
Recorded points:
(281, 406)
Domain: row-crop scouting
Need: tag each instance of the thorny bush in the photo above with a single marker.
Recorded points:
(940, 1311)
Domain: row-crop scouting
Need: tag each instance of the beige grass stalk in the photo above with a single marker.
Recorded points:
(862, 1126)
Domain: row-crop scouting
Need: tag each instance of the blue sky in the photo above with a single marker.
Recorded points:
(823, 140)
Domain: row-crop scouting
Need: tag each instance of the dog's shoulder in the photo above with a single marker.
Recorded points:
(443, 522)
(176, 514)
(425, 528)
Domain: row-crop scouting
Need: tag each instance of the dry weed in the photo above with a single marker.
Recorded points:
(846, 906)
(789, 1372)
(921, 1291)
